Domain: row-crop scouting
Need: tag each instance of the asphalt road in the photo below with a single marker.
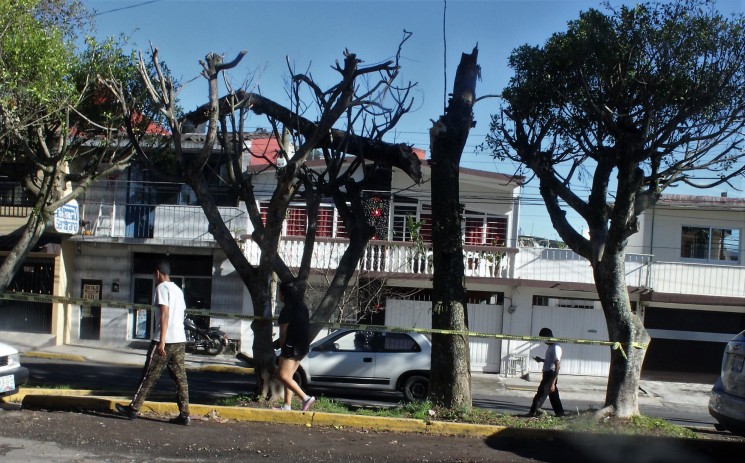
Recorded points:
(35, 436)
(207, 387)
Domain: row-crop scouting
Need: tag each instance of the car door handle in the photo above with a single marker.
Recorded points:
(367, 359)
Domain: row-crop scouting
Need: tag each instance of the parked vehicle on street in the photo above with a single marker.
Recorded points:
(12, 374)
(727, 399)
(211, 340)
(374, 360)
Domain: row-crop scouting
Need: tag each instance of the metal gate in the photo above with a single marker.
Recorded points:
(35, 276)
(483, 318)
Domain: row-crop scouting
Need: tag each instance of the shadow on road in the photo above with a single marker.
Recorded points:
(560, 447)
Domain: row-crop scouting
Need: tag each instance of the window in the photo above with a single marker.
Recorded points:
(711, 244)
(398, 342)
(325, 226)
(296, 221)
(565, 302)
(481, 229)
(399, 230)
(426, 219)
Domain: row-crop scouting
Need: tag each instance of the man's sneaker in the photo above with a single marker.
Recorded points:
(307, 403)
(183, 420)
(126, 411)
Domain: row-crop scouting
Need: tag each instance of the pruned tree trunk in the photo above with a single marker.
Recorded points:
(625, 328)
(450, 378)
(31, 234)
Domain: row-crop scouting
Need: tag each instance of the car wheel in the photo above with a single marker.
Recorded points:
(416, 388)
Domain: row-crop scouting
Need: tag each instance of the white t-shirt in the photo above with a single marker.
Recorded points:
(167, 293)
(553, 353)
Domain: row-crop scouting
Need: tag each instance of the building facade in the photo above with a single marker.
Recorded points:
(684, 270)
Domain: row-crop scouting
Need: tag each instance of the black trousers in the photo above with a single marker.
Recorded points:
(541, 394)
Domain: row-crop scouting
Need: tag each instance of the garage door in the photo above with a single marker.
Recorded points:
(575, 319)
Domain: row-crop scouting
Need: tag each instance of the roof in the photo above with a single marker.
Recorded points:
(696, 201)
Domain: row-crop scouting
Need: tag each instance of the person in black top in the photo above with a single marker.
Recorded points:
(294, 342)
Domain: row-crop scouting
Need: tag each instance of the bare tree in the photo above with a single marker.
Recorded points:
(357, 148)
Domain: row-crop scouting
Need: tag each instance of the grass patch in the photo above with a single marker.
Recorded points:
(426, 411)
(47, 386)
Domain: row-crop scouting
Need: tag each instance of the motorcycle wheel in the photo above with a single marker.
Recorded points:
(214, 346)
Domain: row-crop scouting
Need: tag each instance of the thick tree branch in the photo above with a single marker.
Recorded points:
(397, 155)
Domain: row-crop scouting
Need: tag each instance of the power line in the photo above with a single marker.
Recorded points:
(113, 10)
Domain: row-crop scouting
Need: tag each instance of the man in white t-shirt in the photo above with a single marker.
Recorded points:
(167, 349)
(548, 387)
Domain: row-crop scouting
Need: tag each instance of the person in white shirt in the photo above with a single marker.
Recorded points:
(548, 387)
(167, 348)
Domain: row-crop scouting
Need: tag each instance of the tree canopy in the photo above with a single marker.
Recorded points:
(627, 103)
(62, 109)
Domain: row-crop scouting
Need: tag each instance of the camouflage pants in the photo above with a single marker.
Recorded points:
(153, 369)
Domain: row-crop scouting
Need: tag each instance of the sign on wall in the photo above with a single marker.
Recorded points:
(67, 218)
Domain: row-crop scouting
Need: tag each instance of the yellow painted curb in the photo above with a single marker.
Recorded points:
(85, 401)
(443, 428)
(223, 369)
(55, 356)
(25, 391)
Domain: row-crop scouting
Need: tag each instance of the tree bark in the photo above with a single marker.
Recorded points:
(450, 377)
(625, 328)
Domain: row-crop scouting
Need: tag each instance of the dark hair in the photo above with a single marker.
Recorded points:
(163, 267)
(288, 290)
(546, 333)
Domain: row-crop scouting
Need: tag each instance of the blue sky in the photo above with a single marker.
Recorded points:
(313, 34)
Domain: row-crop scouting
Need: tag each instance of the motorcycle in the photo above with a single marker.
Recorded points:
(212, 340)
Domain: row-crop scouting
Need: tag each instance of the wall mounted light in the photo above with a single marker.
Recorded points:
(115, 286)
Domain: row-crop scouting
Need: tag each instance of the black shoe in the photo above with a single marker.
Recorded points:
(183, 420)
(126, 411)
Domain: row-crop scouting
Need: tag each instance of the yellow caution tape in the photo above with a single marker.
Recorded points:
(30, 297)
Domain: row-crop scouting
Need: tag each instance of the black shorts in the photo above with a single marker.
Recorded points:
(293, 352)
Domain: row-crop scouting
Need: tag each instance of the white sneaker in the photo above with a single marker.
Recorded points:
(307, 403)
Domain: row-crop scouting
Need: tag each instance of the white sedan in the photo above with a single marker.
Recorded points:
(12, 374)
(374, 360)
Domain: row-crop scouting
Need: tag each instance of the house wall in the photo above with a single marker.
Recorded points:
(661, 230)
(107, 262)
(104, 262)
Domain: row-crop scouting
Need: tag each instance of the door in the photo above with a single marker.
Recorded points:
(90, 315)
(141, 317)
(346, 359)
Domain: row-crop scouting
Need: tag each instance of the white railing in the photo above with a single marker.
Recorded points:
(702, 279)
(389, 257)
(551, 264)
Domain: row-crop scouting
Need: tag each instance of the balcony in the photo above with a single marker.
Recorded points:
(187, 225)
(176, 224)
(391, 257)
